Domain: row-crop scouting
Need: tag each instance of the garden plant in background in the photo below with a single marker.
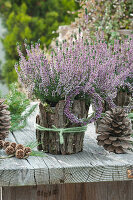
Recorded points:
(109, 17)
(32, 20)
(102, 15)
(73, 76)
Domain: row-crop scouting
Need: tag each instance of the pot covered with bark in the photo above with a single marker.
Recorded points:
(66, 82)
(50, 141)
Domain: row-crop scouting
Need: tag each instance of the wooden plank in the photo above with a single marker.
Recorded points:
(15, 172)
(83, 191)
(94, 164)
(110, 190)
(48, 164)
(19, 193)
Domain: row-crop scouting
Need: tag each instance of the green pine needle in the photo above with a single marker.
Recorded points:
(37, 153)
(19, 121)
(32, 145)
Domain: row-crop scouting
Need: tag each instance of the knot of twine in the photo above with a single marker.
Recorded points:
(62, 130)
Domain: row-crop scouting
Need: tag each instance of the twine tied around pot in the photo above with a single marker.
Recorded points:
(62, 130)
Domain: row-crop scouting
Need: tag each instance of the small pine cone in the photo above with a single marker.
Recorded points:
(10, 150)
(27, 150)
(20, 153)
(27, 154)
(13, 144)
(6, 144)
(19, 146)
(1, 144)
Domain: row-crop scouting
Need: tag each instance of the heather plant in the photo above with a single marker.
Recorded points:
(83, 70)
(122, 60)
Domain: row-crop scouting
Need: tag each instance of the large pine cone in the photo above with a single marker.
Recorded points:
(114, 131)
(4, 120)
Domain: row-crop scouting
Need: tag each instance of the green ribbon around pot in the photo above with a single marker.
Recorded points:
(62, 130)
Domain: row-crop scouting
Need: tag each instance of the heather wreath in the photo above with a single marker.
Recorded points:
(81, 70)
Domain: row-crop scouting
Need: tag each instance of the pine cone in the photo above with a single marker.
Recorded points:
(114, 131)
(27, 150)
(10, 150)
(4, 120)
(19, 146)
(13, 144)
(6, 144)
(27, 154)
(20, 153)
(1, 144)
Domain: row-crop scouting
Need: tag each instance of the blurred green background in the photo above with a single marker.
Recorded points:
(31, 20)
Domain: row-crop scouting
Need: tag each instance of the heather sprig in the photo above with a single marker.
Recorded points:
(94, 67)
(96, 99)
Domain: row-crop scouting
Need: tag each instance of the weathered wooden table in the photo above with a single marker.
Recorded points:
(93, 174)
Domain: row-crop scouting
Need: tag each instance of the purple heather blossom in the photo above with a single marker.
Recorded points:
(95, 68)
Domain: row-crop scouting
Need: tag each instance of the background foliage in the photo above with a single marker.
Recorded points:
(109, 16)
(33, 20)
(103, 15)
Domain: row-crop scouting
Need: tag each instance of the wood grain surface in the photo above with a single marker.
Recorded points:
(94, 164)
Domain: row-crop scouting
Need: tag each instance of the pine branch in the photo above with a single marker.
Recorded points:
(19, 121)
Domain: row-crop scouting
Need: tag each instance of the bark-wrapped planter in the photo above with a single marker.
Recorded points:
(123, 98)
(50, 141)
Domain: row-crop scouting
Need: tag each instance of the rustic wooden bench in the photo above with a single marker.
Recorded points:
(93, 174)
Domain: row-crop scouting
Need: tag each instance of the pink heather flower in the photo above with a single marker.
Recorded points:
(93, 66)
